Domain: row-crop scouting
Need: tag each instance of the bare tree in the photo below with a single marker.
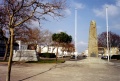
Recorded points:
(114, 40)
(28, 35)
(3, 26)
(21, 11)
(46, 38)
(2, 17)
(22, 33)
(34, 35)
(70, 48)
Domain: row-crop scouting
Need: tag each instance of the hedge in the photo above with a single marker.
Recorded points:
(47, 55)
(115, 57)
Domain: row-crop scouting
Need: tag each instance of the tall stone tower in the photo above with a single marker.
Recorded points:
(93, 42)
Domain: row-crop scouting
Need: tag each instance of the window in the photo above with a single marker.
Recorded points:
(49, 49)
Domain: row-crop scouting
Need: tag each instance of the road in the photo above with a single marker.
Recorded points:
(90, 69)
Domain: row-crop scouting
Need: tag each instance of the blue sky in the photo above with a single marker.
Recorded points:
(87, 10)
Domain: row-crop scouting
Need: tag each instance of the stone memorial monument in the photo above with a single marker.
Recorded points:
(93, 42)
(25, 55)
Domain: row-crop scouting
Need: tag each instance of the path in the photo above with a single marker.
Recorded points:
(90, 69)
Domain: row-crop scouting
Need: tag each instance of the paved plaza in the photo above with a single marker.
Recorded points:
(90, 69)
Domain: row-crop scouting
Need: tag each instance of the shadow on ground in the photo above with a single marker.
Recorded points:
(39, 73)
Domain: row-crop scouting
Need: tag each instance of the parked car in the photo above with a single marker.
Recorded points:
(105, 57)
(73, 57)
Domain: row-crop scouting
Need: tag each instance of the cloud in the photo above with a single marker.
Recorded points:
(77, 5)
(73, 4)
(82, 43)
(118, 3)
(113, 10)
(58, 31)
(113, 14)
(116, 26)
(82, 46)
(67, 11)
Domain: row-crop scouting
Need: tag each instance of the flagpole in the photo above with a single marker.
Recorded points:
(76, 33)
(107, 33)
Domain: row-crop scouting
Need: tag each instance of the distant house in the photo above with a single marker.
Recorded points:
(21, 45)
(112, 51)
(53, 49)
(85, 52)
(103, 51)
(44, 49)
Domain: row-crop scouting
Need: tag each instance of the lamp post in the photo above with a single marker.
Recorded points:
(107, 33)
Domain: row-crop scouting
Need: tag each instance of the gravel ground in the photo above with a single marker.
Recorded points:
(90, 69)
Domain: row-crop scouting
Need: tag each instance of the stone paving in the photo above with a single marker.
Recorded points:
(90, 69)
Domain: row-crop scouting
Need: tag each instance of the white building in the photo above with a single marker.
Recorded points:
(85, 52)
(45, 49)
(112, 51)
(21, 45)
(53, 49)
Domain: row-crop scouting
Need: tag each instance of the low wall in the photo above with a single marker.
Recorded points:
(25, 55)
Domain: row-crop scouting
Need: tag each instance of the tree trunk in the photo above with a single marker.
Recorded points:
(57, 53)
(47, 48)
(63, 48)
(6, 50)
(11, 54)
(53, 49)
(62, 52)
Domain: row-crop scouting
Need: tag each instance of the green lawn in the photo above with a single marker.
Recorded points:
(3, 61)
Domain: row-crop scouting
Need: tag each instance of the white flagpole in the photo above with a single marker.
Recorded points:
(107, 33)
(76, 33)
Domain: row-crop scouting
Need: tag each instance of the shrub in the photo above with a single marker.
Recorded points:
(47, 55)
(47, 61)
(115, 57)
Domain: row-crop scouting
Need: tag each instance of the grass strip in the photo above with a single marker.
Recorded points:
(47, 61)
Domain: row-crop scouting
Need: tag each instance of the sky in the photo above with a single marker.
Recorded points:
(87, 10)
